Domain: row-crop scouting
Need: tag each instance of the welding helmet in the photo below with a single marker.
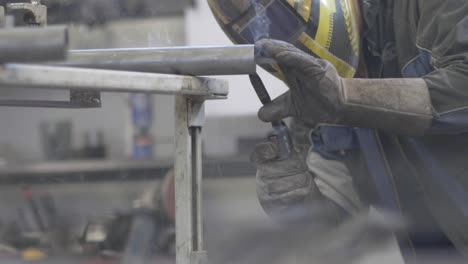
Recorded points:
(326, 29)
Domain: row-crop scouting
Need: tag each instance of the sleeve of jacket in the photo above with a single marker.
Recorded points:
(442, 34)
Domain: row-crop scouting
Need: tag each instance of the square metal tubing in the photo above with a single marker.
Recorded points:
(188, 181)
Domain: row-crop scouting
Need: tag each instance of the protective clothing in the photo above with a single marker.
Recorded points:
(287, 190)
(424, 177)
(334, 181)
(319, 95)
(327, 29)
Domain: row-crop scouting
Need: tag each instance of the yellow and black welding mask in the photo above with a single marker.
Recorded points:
(327, 29)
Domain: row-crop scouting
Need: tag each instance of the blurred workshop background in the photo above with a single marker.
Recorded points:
(172, 23)
(77, 172)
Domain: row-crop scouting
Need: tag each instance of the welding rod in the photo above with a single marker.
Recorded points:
(280, 134)
(213, 60)
(35, 44)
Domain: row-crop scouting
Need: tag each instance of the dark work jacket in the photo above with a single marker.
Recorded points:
(426, 178)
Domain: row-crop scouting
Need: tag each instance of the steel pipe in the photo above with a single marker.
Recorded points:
(33, 44)
(195, 61)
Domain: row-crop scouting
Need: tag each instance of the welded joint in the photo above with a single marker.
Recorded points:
(196, 113)
(198, 257)
(212, 89)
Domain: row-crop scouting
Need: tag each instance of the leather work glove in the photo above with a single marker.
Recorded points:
(287, 191)
(319, 95)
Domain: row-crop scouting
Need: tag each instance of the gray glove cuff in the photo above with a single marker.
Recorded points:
(401, 106)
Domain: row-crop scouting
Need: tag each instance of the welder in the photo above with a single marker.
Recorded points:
(378, 95)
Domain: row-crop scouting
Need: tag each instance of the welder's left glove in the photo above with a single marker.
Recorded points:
(288, 193)
(319, 95)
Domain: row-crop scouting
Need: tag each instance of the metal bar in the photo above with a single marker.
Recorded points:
(196, 122)
(2, 17)
(183, 182)
(195, 61)
(188, 172)
(82, 166)
(197, 188)
(33, 44)
(63, 78)
(42, 104)
(78, 99)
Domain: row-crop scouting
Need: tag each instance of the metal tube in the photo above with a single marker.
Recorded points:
(196, 61)
(33, 44)
(183, 182)
(63, 78)
(188, 181)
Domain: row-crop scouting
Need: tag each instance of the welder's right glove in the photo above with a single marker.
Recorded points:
(317, 94)
(287, 191)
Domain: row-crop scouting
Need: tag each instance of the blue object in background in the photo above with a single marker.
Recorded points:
(142, 147)
(142, 110)
(142, 119)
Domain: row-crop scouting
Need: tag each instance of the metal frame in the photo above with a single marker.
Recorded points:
(188, 187)
(64, 78)
(85, 85)
(191, 93)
